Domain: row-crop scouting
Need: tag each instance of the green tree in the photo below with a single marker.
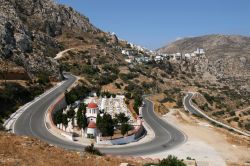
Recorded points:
(71, 115)
(137, 103)
(57, 118)
(70, 97)
(105, 124)
(65, 121)
(125, 127)
(81, 120)
(82, 107)
(121, 118)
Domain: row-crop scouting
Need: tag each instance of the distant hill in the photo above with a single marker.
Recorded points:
(229, 54)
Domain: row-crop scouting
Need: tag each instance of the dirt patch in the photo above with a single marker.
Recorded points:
(233, 148)
(131, 108)
(112, 89)
(159, 108)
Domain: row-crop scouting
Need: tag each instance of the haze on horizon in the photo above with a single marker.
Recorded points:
(153, 24)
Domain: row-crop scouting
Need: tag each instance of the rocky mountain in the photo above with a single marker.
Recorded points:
(228, 55)
(29, 31)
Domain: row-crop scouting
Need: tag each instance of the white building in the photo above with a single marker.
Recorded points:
(125, 52)
(177, 56)
(158, 58)
(187, 56)
(91, 112)
(199, 52)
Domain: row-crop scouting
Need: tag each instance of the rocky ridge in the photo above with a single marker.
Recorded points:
(28, 31)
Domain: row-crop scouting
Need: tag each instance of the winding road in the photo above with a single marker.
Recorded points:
(31, 123)
(192, 109)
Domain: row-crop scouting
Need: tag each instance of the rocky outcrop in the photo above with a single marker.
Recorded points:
(28, 31)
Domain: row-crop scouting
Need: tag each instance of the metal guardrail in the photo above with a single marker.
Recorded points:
(211, 119)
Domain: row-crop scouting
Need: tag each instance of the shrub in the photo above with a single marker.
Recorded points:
(90, 70)
(118, 85)
(169, 161)
(111, 68)
(205, 107)
(232, 113)
(129, 76)
(147, 85)
(209, 98)
(236, 119)
(247, 126)
(92, 150)
(194, 101)
(218, 113)
(179, 103)
(43, 78)
(107, 78)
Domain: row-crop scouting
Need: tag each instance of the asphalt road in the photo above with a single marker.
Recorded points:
(188, 106)
(31, 123)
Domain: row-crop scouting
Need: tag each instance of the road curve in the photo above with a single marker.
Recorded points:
(192, 109)
(31, 123)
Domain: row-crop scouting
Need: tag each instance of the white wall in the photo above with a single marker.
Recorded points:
(91, 131)
(118, 141)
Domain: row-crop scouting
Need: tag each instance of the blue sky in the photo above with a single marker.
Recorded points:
(154, 23)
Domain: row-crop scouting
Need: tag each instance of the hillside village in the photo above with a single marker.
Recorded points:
(141, 55)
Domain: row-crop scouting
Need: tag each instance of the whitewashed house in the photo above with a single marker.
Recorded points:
(158, 58)
(199, 52)
(187, 56)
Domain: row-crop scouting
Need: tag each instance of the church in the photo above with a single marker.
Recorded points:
(92, 111)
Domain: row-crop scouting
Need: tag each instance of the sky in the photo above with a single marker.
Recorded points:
(155, 23)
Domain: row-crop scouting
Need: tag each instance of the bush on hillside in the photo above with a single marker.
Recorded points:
(92, 150)
(169, 161)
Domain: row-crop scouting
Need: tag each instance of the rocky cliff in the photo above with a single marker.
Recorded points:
(28, 31)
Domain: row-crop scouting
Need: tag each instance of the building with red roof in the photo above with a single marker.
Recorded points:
(92, 111)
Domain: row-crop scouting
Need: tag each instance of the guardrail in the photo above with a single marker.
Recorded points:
(9, 123)
(211, 119)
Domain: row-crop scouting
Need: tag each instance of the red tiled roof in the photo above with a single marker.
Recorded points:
(92, 105)
(92, 125)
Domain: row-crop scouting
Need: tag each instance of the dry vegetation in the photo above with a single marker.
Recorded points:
(17, 150)
(225, 104)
